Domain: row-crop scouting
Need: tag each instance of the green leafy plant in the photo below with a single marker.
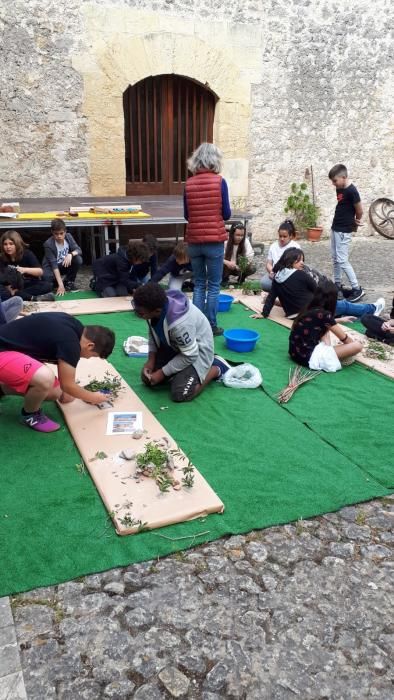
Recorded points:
(158, 464)
(98, 455)
(80, 467)
(154, 462)
(109, 383)
(243, 264)
(129, 521)
(251, 287)
(188, 475)
(299, 205)
(378, 351)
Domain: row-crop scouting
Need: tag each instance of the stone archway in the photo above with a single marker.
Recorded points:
(122, 54)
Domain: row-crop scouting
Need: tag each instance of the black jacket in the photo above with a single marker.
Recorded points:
(114, 269)
(147, 268)
(295, 290)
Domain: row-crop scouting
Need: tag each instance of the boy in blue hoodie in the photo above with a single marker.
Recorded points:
(181, 347)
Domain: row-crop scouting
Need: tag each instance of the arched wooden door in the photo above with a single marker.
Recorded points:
(166, 118)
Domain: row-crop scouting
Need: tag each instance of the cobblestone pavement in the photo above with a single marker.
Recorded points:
(299, 611)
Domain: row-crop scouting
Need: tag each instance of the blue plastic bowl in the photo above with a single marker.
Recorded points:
(225, 301)
(241, 340)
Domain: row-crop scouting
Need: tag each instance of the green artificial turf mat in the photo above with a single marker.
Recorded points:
(266, 465)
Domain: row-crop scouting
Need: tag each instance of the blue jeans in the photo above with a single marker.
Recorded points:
(346, 308)
(340, 244)
(207, 265)
(11, 308)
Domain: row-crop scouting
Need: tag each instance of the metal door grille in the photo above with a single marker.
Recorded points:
(166, 118)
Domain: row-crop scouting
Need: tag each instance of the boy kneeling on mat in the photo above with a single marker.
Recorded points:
(48, 337)
(181, 345)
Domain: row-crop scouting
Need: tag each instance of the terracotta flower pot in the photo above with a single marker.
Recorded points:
(314, 234)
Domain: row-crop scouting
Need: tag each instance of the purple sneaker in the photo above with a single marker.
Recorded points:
(37, 421)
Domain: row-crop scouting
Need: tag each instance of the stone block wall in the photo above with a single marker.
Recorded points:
(300, 83)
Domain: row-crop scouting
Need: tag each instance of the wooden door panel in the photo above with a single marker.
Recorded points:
(166, 118)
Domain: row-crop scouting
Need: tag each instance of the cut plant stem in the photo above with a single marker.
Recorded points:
(297, 377)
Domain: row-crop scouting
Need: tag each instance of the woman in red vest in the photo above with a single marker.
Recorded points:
(206, 208)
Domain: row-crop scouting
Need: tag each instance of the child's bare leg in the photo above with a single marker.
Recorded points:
(41, 388)
(348, 349)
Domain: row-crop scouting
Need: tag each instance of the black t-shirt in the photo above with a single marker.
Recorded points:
(345, 210)
(307, 333)
(48, 337)
(294, 293)
(28, 259)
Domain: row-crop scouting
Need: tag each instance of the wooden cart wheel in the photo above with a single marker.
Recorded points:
(381, 216)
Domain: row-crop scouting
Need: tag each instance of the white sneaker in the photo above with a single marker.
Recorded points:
(379, 306)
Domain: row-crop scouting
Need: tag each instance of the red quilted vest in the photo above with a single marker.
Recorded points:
(204, 206)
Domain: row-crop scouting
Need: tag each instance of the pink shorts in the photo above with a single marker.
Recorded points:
(17, 370)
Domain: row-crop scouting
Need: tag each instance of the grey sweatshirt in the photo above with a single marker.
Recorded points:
(187, 332)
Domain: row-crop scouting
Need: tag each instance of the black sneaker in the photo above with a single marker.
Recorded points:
(340, 292)
(217, 331)
(70, 287)
(45, 297)
(356, 294)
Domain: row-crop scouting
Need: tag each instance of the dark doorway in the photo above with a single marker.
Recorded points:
(166, 118)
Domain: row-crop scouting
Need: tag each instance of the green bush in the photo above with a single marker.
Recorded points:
(301, 209)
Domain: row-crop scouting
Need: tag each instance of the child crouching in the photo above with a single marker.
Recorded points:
(177, 266)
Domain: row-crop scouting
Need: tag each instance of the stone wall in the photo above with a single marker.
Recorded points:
(300, 83)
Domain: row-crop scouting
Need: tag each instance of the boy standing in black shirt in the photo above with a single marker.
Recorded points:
(53, 337)
(347, 217)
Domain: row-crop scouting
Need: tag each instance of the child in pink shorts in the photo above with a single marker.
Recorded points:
(25, 344)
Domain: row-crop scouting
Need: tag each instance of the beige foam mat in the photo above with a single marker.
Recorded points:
(76, 307)
(255, 304)
(114, 477)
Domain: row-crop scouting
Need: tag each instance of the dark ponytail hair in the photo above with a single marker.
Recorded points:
(324, 298)
(288, 258)
(288, 226)
(236, 226)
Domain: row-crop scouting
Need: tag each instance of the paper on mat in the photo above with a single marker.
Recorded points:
(124, 423)
(114, 477)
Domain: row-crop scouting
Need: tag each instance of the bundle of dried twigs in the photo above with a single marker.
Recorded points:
(297, 376)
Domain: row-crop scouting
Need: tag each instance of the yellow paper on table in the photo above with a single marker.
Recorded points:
(45, 215)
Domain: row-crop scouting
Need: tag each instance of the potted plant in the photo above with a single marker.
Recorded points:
(303, 211)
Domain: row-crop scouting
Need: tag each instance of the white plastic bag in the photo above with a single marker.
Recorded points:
(136, 345)
(245, 376)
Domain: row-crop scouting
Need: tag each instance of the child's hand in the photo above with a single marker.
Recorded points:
(60, 292)
(388, 326)
(97, 397)
(358, 222)
(347, 319)
(157, 377)
(67, 260)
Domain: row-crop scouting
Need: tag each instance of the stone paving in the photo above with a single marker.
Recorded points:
(299, 611)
